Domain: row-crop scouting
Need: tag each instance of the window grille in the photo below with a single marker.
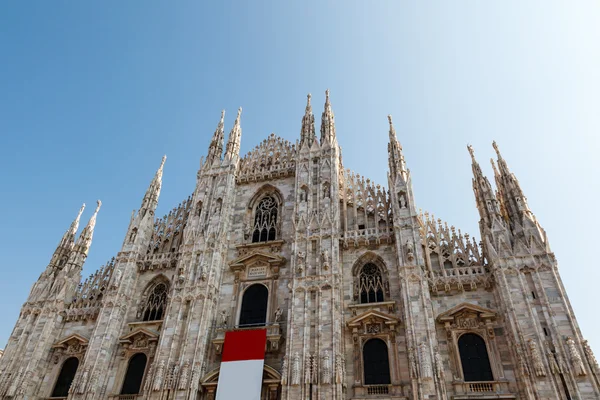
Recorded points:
(156, 303)
(370, 284)
(265, 220)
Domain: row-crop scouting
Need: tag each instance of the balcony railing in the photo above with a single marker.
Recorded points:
(489, 387)
(378, 389)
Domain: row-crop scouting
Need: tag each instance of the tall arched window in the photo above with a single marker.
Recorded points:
(376, 362)
(134, 374)
(474, 358)
(370, 284)
(265, 220)
(156, 303)
(65, 378)
(254, 305)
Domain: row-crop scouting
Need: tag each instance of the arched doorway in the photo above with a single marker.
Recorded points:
(65, 378)
(135, 374)
(474, 358)
(254, 306)
(376, 362)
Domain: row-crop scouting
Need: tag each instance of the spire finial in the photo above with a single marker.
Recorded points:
(239, 114)
(308, 106)
(495, 146)
(471, 151)
(327, 96)
(494, 167)
(327, 122)
(99, 203)
(390, 120)
(222, 115)
(162, 163)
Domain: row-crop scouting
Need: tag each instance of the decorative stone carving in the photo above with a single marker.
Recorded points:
(426, 370)
(284, 371)
(410, 250)
(296, 369)
(576, 361)
(589, 354)
(184, 375)
(326, 368)
(300, 261)
(538, 365)
(148, 379)
(159, 376)
(308, 369)
(325, 258)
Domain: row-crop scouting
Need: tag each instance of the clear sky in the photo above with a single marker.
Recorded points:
(92, 94)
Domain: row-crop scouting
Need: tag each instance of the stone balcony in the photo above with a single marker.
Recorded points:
(378, 392)
(481, 390)
(450, 280)
(273, 336)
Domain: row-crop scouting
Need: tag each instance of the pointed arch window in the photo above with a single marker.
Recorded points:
(265, 220)
(65, 377)
(474, 358)
(156, 303)
(376, 362)
(370, 284)
(134, 374)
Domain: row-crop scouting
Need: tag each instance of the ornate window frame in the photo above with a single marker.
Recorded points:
(72, 346)
(253, 205)
(373, 324)
(140, 340)
(470, 318)
(148, 291)
(363, 260)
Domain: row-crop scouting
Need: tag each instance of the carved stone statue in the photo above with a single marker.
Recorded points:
(576, 361)
(296, 369)
(326, 368)
(325, 257)
(439, 364)
(412, 363)
(538, 365)
(224, 317)
(402, 201)
(410, 250)
(278, 314)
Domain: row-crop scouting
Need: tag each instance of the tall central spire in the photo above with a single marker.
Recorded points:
(215, 151)
(84, 241)
(487, 204)
(395, 155)
(232, 150)
(327, 122)
(307, 134)
(151, 197)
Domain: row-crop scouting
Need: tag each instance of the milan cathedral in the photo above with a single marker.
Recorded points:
(362, 295)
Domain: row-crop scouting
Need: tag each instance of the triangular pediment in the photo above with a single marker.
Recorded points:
(372, 316)
(466, 308)
(70, 339)
(257, 256)
(151, 336)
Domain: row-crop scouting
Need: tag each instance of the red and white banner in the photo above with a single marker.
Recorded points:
(240, 375)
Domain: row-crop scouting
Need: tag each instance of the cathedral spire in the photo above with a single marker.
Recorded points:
(150, 200)
(487, 203)
(215, 151)
(512, 197)
(307, 134)
(66, 243)
(395, 155)
(233, 144)
(327, 122)
(84, 241)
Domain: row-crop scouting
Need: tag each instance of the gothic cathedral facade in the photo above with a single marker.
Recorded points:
(362, 296)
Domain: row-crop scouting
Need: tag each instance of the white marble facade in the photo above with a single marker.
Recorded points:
(353, 275)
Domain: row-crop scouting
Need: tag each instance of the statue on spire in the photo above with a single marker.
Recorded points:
(233, 144)
(215, 150)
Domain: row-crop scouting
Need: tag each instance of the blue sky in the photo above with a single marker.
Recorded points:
(94, 93)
